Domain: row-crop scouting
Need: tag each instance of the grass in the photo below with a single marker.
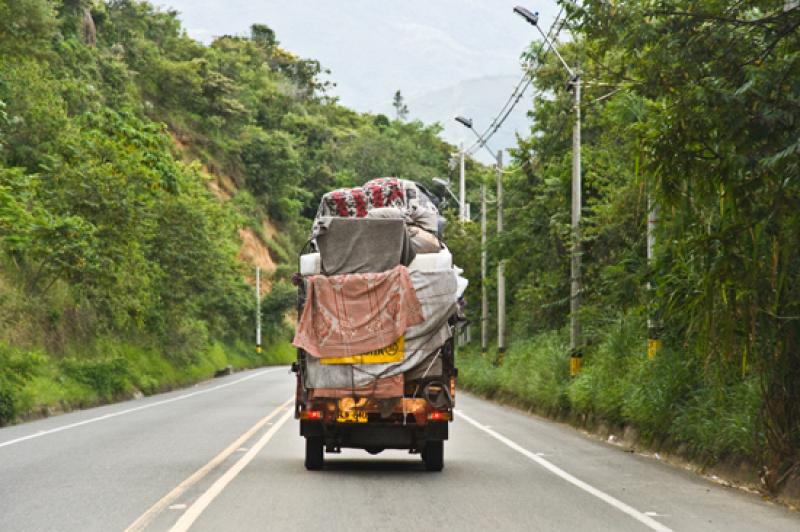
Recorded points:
(34, 383)
(667, 399)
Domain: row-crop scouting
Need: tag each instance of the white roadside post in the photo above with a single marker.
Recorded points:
(258, 309)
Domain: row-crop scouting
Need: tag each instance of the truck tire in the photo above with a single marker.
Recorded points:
(433, 455)
(315, 458)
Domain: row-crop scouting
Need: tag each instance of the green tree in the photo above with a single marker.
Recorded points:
(400, 107)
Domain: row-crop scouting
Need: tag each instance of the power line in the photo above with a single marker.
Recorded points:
(517, 93)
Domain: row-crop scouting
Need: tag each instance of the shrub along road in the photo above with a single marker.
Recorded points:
(226, 455)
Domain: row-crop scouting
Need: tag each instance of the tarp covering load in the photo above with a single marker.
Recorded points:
(436, 291)
(381, 292)
(356, 202)
(352, 314)
(379, 389)
(381, 193)
(352, 245)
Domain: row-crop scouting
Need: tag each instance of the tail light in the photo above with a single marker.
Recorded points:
(438, 415)
(311, 415)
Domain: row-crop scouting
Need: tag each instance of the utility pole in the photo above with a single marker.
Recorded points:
(575, 270)
(653, 325)
(462, 186)
(258, 309)
(501, 267)
(575, 259)
(484, 299)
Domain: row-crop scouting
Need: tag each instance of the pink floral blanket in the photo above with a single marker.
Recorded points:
(351, 314)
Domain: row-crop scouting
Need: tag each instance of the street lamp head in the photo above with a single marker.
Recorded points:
(532, 18)
(467, 122)
(441, 182)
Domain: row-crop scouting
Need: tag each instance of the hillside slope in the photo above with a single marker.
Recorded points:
(142, 176)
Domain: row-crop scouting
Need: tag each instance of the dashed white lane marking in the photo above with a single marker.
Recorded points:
(197, 508)
(616, 503)
(135, 409)
(146, 518)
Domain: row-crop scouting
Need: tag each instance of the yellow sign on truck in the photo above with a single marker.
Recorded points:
(391, 353)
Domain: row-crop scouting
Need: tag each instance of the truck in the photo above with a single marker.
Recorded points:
(400, 395)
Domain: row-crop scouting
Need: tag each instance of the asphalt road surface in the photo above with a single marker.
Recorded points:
(226, 456)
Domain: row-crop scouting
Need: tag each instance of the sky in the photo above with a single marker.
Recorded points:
(448, 57)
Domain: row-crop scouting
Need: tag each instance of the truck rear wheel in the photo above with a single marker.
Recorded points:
(433, 455)
(315, 458)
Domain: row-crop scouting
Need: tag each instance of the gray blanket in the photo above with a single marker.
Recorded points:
(436, 292)
(362, 245)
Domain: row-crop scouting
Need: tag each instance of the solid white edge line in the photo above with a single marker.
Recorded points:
(202, 502)
(150, 514)
(134, 409)
(616, 503)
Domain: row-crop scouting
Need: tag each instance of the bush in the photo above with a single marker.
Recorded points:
(721, 420)
(534, 372)
(109, 377)
(606, 380)
(660, 387)
(16, 370)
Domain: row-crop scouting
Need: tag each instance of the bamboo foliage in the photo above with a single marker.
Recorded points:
(708, 113)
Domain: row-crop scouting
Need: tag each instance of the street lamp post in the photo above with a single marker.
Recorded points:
(445, 184)
(501, 277)
(484, 300)
(575, 262)
(501, 269)
(462, 186)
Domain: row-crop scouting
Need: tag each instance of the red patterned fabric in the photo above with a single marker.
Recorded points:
(340, 202)
(377, 195)
(385, 388)
(350, 314)
(356, 202)
(360, 200)
(386, 192)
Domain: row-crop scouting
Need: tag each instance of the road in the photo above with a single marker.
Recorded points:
(226, 455)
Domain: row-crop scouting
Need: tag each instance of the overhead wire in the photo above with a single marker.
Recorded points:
(525, 80)
(519, 90)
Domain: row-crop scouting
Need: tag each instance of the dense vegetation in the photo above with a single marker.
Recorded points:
(131, 159)
(705, 120)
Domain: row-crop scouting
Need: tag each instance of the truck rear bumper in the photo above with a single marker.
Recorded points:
(374, 435)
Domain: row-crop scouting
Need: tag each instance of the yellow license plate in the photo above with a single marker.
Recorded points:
(352, 416)
(391, 353)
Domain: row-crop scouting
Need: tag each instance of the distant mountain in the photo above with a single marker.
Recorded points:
(374, 47)
(479, 99)
(448, 57)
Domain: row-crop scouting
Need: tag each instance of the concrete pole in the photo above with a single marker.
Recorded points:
(484, 299)
(653, 325)
(462, 187)
(652, 219)
(258, 309)
(501, 275)
(575, 270)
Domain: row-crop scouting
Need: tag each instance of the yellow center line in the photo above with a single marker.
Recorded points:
(197, 508)
(147, 517)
